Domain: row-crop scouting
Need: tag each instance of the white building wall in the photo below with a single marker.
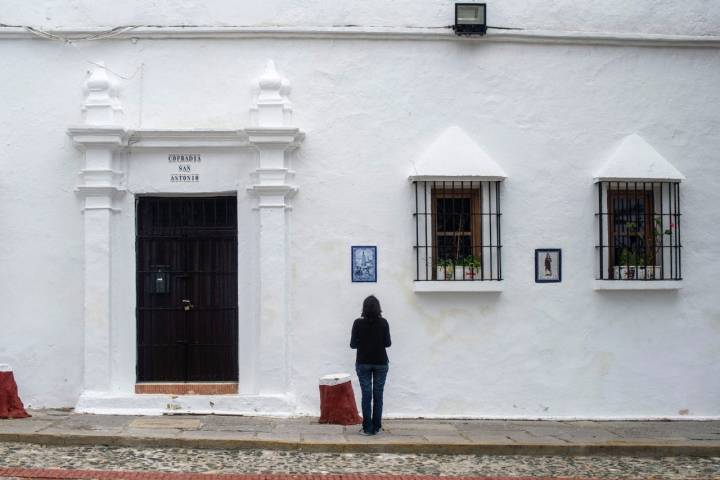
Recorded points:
(549, 114)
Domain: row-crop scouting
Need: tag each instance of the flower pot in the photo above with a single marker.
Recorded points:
(637, 272)
(629, 272)
(446, 273)
(653, 273)
(467, 273)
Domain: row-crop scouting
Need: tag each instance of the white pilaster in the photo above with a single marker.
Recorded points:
(274, 139)
(99, 184)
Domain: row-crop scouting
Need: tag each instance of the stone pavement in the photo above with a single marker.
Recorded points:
(497, 437)
(52, 474)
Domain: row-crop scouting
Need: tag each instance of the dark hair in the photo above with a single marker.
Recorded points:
(371, 307)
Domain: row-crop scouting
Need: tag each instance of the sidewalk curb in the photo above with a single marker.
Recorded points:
(608, 448)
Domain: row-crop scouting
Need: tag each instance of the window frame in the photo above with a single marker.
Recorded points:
(484, 233)
(649, 216)
(475, 233)
(662, 246)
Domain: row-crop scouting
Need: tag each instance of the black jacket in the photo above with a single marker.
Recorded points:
(371, 336)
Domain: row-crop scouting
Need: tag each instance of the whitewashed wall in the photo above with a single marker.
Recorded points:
(549, 114)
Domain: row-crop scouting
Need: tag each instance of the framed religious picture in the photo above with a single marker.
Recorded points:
(363, 264)
(548, 265)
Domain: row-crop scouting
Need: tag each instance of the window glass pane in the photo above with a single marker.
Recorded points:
(629, 226)
(454, 247)
(453, 214)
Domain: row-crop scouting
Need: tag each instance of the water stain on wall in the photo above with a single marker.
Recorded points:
(601, 363)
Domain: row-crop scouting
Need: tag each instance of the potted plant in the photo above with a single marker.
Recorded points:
(631, 265)
(446, 269)
(468, 268)
(652, 270)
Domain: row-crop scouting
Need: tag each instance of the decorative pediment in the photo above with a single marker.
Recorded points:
(637, 160)
(454, 155)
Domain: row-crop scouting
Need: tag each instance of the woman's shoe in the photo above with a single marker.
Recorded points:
(363, 432)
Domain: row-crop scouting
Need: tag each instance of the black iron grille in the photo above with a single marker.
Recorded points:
(457, 230)
(638, 231)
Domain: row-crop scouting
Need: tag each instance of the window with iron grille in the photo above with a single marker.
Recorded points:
(457, 230)
(639, 231)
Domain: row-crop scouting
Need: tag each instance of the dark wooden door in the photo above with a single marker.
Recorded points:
(187, 312)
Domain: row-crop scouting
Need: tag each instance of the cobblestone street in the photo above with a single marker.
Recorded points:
(284, 462)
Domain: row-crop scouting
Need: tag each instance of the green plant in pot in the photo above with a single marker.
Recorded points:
(469, 267)
(630, 263)
(446, 269)
(656, 238)
(630, 258)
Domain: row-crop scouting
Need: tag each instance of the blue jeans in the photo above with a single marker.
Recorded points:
(372, 383)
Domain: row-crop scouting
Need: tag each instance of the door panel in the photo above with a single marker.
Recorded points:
(192, 242)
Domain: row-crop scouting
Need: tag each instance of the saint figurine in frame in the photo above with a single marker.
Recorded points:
(548, 265)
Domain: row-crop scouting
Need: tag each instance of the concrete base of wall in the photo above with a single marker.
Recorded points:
(112, 403)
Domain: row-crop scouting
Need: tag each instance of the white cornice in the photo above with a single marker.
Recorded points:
(100, 136)
(289, 136)
(455, 178)
(375, 33)
(157, 138)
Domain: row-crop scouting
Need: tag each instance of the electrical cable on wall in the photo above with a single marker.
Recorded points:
(93, 36)
(115, 31)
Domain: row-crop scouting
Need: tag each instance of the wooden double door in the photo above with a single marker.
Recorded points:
(187, 298)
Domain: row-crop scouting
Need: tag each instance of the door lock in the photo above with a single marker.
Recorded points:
(187, 305)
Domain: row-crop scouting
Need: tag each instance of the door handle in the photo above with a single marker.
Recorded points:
(187, 305)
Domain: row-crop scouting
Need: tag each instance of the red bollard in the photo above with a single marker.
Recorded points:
(337, 400)
(10, 404)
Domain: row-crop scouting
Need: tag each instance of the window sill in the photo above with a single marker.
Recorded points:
(638, 284)
(490, 286)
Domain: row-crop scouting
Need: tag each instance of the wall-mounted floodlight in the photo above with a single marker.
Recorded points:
(470, 19)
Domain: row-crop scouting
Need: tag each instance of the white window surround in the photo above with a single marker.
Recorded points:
(442, 286)
(613, 285)
(455, 157)
(104, 142)
(636, 160)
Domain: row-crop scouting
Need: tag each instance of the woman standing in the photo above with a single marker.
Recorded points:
(370, 336)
